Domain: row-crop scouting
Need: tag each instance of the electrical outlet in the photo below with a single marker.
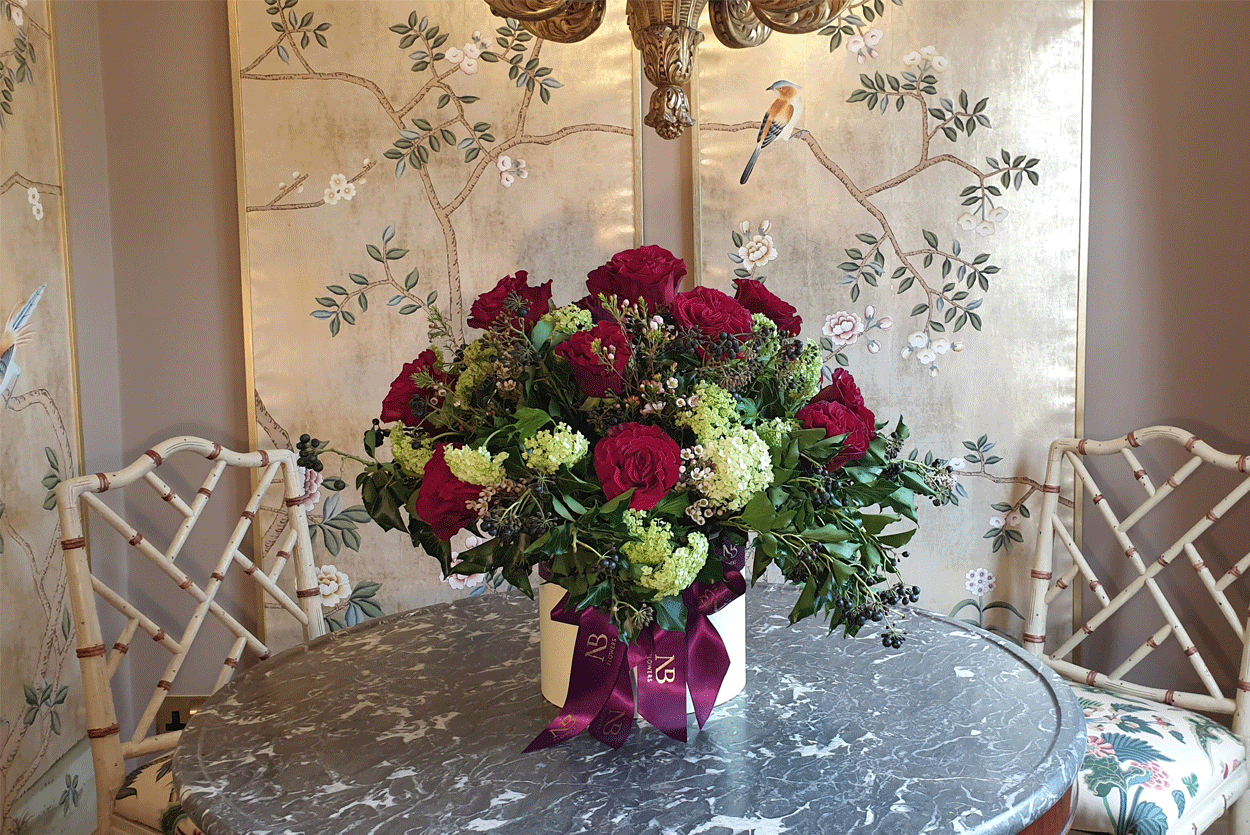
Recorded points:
(176, 711)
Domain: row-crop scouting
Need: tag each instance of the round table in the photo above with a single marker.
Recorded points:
(415, 723)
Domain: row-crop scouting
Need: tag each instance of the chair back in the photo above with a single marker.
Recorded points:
(275, 470)
(1052, 578)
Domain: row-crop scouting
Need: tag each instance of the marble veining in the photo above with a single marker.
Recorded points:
(414, 725)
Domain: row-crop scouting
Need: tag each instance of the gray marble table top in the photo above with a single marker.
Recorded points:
(415, 723)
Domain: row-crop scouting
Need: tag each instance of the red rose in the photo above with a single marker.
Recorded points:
(757, 298)
(836, 418)
(598, 358)
(642, 457)
(650, 274)
(406, 401)
(511, 300)
(711, 313)
(443, 500)
(842, 390)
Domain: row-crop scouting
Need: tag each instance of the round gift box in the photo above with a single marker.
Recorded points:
(557, 641)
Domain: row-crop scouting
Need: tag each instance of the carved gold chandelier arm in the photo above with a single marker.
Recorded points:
(735, 24)
(666, 32)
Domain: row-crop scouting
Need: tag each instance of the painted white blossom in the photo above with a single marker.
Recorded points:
(940, 63)
(928, 52)
(873, 346)
(957, 464)
(885, 323)
(1014, 519)
(917, 339)
(469, 66)
(967, 221)
(465, 581)
(979, 581)
(454, 55)
(334, 585)
(337, 181)
(331, 197)
(911, 59)
(504, 162)
(996, 521)
(854, 44)
(940, 345)
(757, 251)
(471, 50)
(985, 228)
(507, 179)
(873, 36)
(37, 211)
(348, 191)
(521, 170)
(19, 19)
(998, 214)
(32, 195)
(925, 356)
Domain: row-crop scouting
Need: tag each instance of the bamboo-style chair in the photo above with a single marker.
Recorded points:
(142, 801)
(1154, 765)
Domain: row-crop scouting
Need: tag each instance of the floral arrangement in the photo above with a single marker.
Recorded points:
(634, 442)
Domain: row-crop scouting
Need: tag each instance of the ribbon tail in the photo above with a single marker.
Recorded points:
(597, 660)
(614, 722)
(661, 667)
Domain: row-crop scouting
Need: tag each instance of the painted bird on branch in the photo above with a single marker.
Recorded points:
(779, 122)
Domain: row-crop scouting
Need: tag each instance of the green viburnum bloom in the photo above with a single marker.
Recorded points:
(804, 373)
(732, 468)
(548, 450)
(776, 432)
(474, 465)
(479, 368)
(713, 412)
(678, 571)
(770, 339)
(410, 455)
(569, 319)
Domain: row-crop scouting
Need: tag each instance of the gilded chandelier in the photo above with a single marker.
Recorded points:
(666, 32)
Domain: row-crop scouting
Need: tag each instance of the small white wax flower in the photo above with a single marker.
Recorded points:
(998, 214)
(917, 339)
(504, 162)
(911, 59)
(32, 195)
(873, 36)
(985, 228)
(941, 63)
(979, 581)
(967, 221)
(454, 55)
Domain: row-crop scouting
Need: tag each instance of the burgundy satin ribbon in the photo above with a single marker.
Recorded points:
(601, 695)
(659, 659)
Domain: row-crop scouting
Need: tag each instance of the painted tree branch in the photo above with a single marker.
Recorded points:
(16, 179)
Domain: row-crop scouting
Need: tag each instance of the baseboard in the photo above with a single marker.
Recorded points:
(62, 802)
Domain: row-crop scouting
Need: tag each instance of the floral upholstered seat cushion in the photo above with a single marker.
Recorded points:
(147, 797)
(1147, 763)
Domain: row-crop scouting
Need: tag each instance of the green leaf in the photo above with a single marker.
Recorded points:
(528, 421)
(670, 614)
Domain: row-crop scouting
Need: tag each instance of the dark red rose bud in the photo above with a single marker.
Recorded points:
(406, 401)
(642, 457)
(511, 302)
(757, 298)
(598, 358)
(649, 274)
(443, 500)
